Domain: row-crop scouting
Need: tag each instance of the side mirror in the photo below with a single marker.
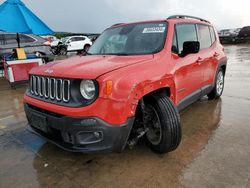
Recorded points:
(190, 47)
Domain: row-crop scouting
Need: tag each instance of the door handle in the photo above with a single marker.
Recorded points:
(216, 54)
(199, 60)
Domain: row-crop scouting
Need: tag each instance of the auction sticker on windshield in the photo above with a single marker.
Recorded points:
(153, 30)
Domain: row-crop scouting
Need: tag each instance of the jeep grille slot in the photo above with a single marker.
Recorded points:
(50, 88)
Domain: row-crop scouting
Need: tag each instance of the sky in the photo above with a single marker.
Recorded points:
(93, 16)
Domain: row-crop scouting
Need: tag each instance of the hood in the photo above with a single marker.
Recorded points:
(87, 67)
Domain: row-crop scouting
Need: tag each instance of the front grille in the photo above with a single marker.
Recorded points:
(56, 89)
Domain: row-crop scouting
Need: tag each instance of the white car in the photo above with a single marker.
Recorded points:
(76, 43)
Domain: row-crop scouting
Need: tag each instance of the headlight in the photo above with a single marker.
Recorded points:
(88, 89)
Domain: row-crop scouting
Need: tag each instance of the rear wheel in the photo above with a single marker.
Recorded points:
(162, 122)
(218, 86)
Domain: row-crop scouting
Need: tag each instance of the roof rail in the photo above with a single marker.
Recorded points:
(186, 16)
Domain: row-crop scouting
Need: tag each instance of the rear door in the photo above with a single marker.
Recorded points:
(188, 72)
(206, 55)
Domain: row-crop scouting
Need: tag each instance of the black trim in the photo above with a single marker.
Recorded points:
(222, 62)
(78, 134)
(193, 97)
(187, 16)
(206, 90)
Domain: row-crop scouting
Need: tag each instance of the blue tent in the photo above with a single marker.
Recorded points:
(16, 17)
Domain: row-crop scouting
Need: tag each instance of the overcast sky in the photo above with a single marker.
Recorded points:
(96, 15)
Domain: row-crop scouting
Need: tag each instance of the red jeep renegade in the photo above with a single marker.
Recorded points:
(132, 83)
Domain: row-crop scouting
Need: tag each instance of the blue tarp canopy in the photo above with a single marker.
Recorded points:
(17, 18)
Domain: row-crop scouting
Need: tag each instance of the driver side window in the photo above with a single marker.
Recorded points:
(74, 39)
(185, 32)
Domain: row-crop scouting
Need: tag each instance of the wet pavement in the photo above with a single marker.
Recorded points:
(215, 149)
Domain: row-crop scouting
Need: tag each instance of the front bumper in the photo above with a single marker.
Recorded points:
(86, 134)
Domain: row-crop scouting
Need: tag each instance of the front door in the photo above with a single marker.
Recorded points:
(188, 72)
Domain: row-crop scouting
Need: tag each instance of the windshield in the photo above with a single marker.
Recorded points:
(133, 39)
(64, 39)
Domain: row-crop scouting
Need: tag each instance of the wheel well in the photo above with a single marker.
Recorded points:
(140, 109)
(86, 45)
(145, 98)
(165, 91)
(223, 67)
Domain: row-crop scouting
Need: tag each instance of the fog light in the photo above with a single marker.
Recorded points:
(89, 137)
(97, 134)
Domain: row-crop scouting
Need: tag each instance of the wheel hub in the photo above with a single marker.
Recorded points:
(152, 122)
(220, 83)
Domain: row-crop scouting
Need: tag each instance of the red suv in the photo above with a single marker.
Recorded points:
(132, 83)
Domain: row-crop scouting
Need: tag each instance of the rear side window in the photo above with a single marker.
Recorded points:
(185, 32)
(204, 36)
(212, 33)
(26, 39)
(80, 38)
(10, 38)
(73, 39)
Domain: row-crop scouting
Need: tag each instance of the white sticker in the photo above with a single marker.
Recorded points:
(153, 30)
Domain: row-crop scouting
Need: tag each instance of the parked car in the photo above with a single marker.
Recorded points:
(245, 32)
(32, 44)
(71, 44)
(229, 32)
(132, 84)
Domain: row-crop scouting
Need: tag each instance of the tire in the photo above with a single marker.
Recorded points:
(86, 48)
(63, 51)
(168, 124)
(218, 86)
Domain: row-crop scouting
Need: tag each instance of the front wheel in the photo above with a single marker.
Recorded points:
(162, 121)
(218, 86)
(86, 48)
(63, 51)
